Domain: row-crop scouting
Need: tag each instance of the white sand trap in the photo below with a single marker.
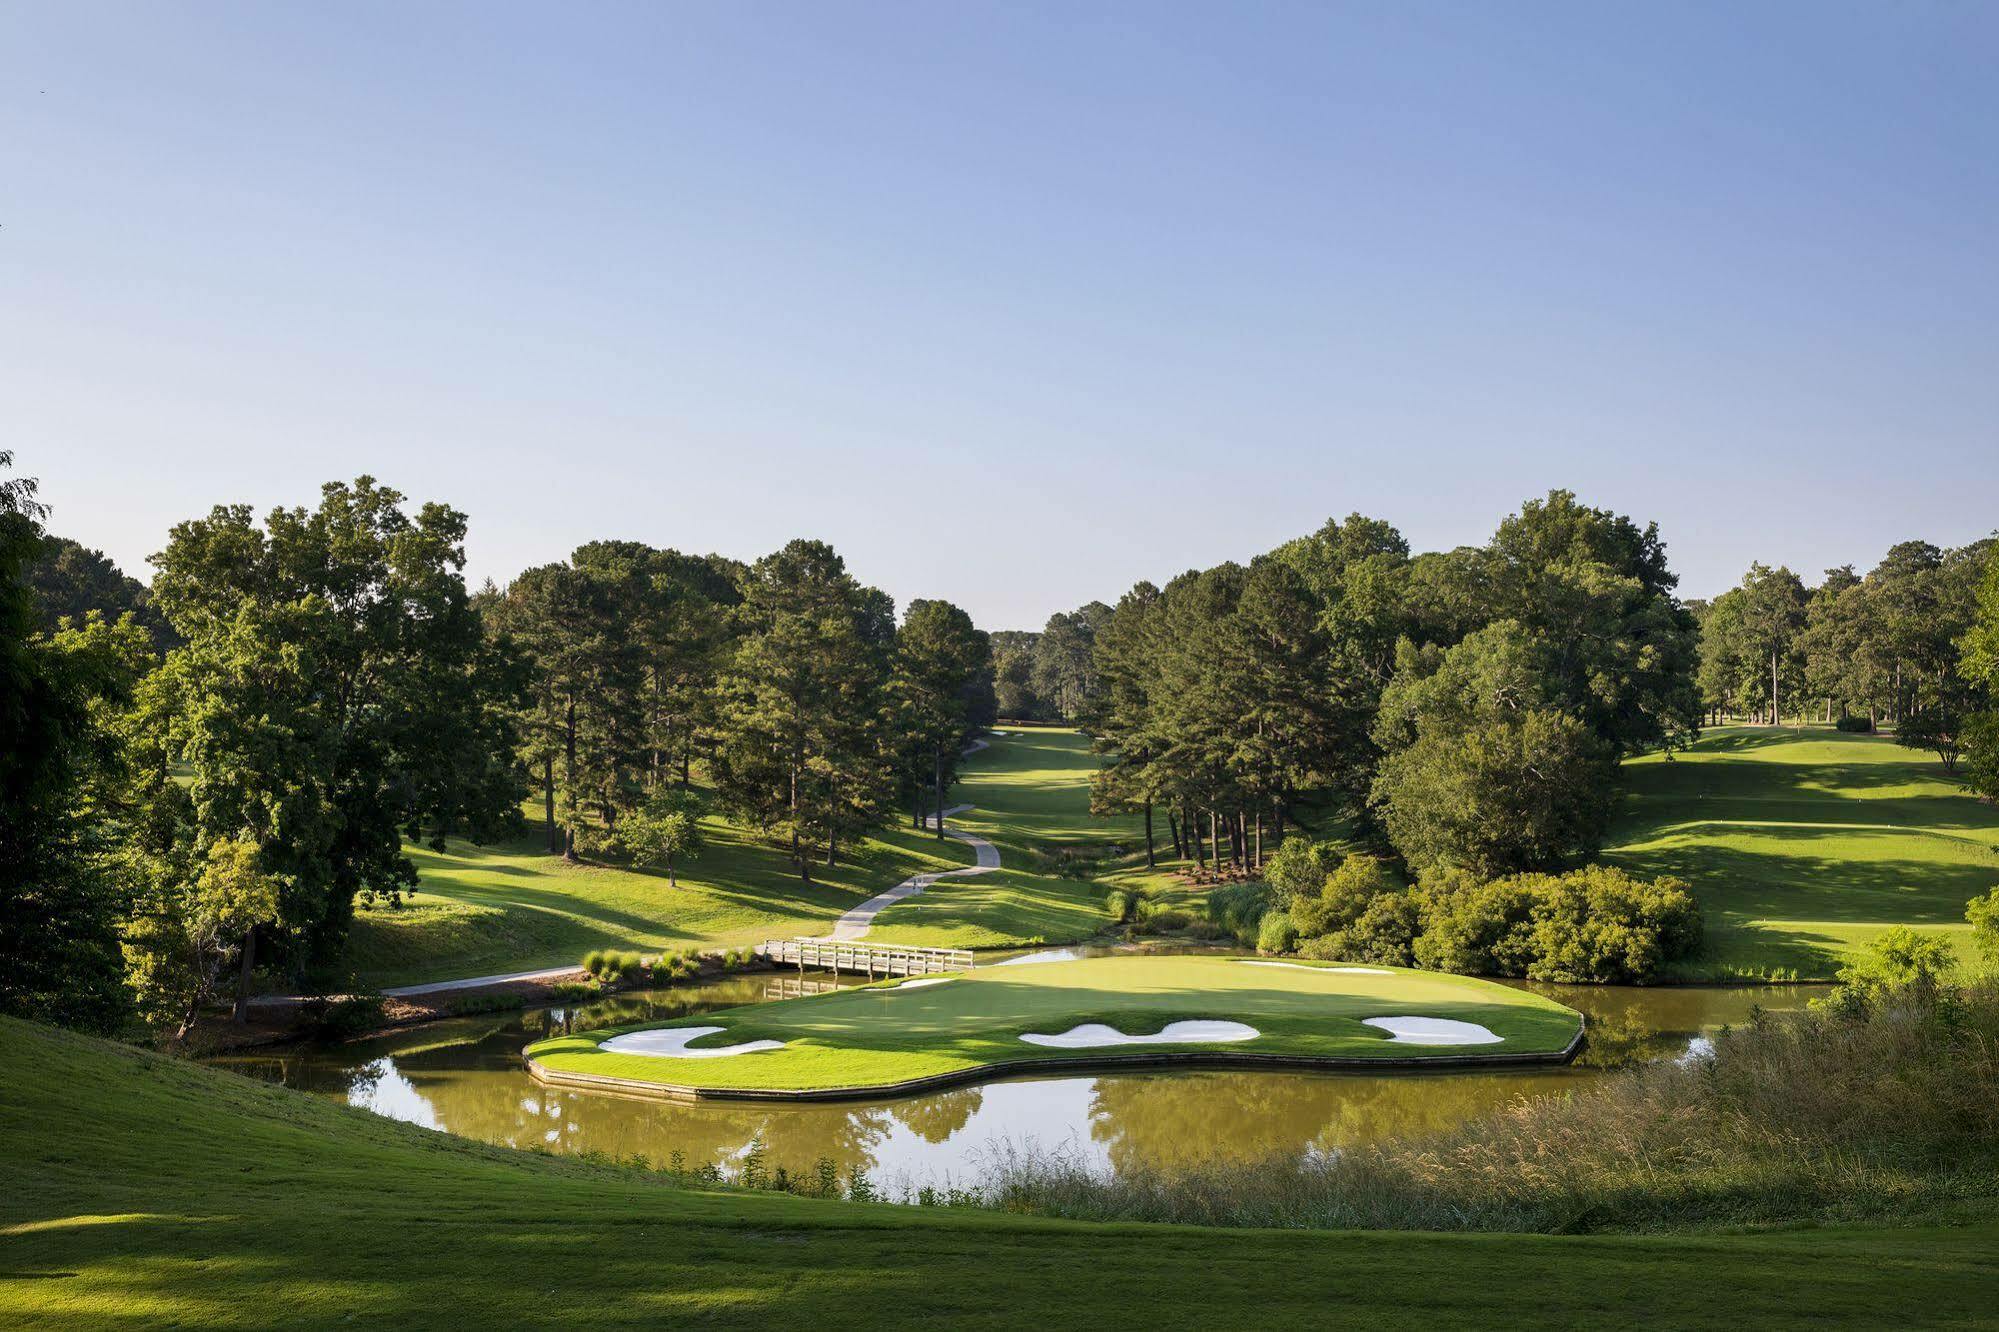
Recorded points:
(671, 1043)
(1433, 1031)
(1092, 1034)
(922, 981)
(1337, 971)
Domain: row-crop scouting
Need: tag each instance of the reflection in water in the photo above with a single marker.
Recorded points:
(465, 1076)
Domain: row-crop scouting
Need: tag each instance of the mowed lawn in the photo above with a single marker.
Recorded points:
(143, 1191)
(483, 910)
(883, 1034)
(1802, 845)
(1030, 797)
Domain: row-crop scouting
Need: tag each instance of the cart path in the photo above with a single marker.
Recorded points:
(859, 920)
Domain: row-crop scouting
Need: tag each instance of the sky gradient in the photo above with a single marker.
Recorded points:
(1013, 304)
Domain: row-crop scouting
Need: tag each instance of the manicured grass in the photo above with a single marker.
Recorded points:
(143, 1191)
(883, 1034)
(1030, 797)
(1802, 845)
(483, 910)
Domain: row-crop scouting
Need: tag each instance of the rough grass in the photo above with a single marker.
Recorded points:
(140, 1191)
(1804, 844)
(883, 1034)
(1803, 1117)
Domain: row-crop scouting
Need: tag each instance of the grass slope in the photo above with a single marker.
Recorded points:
(1803, 845)
(1030, 797)
(883, 1034)
(139, 1190)
(483, 910)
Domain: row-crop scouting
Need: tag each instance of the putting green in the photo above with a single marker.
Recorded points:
(904, 1036)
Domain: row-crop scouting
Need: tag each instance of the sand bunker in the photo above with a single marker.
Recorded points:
(671, 1043)
(1300, 966)
(1433, 1031)
(1092, 1034)
(922, 981)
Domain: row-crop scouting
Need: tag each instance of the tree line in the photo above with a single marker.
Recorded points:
(1897, 646)
(205, 780)
(1466, 708)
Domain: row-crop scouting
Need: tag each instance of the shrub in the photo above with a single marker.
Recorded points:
(1118, 903)
(343, 1018)
(1276, 933)
(1158, 920)
(1983, 913)
(1860, 725)
(1298, 869)
(593, 962)
(1238, 907)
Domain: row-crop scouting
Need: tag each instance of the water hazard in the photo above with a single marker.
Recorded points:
(465, 1076)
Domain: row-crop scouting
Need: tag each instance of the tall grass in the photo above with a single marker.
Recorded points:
(1891, 1111)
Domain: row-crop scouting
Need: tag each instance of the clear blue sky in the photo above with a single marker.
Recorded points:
(1013, 304)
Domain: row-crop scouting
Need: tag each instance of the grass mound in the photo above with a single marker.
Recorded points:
(883, 1035)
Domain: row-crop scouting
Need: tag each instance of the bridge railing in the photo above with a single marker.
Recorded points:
(871, 959)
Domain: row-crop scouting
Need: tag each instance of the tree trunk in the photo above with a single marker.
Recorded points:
(1173, 833)
(939, 779)
(569, 778)
(1259, 841)
(568, 842)
(1776, 716)
(548, 803)
(242, 1013)
(1150, 861)
(672, 879)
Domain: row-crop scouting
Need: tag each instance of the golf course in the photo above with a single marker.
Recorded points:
(900, 1036)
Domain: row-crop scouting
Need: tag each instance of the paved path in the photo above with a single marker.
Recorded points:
(856, 923)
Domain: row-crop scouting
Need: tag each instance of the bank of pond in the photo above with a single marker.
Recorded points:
(468, 1076)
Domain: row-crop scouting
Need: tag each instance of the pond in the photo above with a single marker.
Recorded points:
(465, 1076)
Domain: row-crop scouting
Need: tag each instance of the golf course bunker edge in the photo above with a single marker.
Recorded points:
(1124, 1011)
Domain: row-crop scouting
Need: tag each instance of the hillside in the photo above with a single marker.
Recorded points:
(1802, 845)
(141, 1189)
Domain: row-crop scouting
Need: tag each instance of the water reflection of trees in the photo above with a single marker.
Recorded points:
(936, 1118)
(1172, 1119)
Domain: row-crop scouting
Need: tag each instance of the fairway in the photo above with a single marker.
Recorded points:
(1030, 797)
(1802, 845)
(1017, 1018)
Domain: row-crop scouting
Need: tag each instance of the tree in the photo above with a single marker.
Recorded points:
(803, 750)
(335, 690)
(664, 831)
(1484, 772)
(182, 940)
(60, 906)
(1751, 647)
(1064, 665)
(1013, 676)
(1979, 661)
(941, 689)
(70, 581)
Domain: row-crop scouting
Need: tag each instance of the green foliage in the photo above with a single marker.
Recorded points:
(1239, 908)
(1119, 905)
(60, 884)
(1854, 725)
(1276, 932)
(1900, 959)
(1298, 869)
(1983, 913)
(666, 830)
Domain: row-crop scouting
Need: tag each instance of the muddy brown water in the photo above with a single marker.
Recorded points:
(465, 1076)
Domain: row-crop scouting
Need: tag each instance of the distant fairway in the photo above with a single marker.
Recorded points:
(1030, 797)
(1803, 845)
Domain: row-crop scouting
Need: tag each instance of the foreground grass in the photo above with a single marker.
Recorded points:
(1030, 797)
(138, 1190)
(879, 1035)
(1803, 845)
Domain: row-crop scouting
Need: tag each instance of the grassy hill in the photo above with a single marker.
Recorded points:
(140, 1190)
(1802, 845)
(511, 908)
